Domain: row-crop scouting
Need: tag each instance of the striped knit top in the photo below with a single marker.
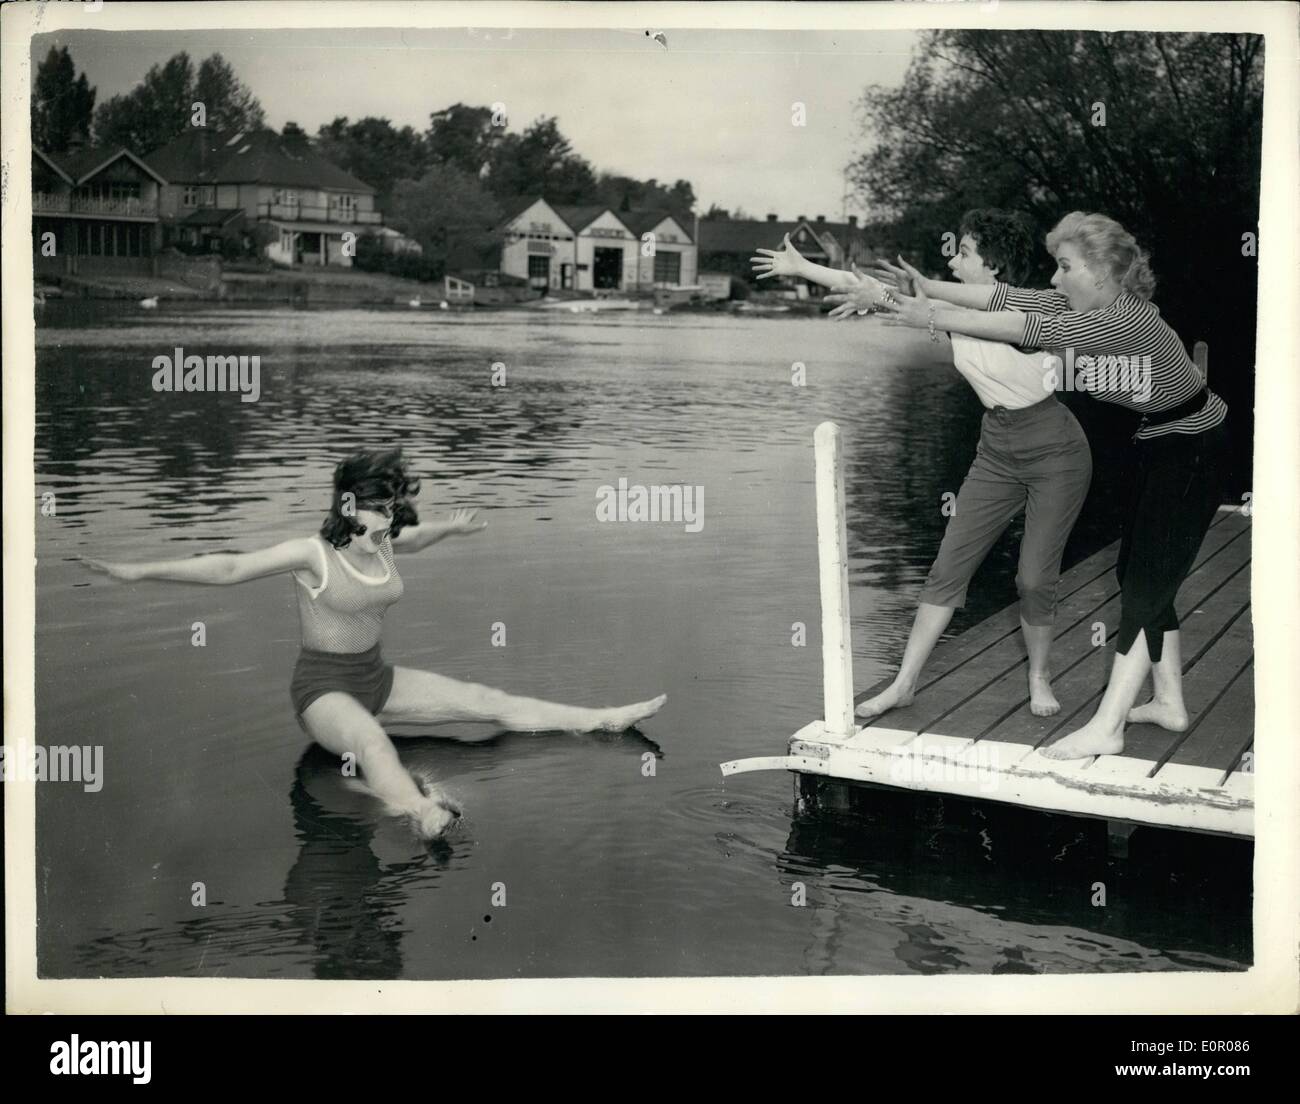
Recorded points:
(345, 612)
(1124, 353)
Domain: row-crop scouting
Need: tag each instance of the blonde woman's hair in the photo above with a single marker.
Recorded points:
(1107, 248)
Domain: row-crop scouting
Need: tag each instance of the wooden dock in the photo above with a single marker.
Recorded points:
(969, 731)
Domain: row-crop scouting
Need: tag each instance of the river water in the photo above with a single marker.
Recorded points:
(606, 868)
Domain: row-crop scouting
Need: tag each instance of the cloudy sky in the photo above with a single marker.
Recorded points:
(714, 107)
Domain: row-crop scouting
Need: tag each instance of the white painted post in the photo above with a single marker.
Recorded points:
(833, 570)
(1201, 355)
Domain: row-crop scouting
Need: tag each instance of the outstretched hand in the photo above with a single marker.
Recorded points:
(462, 521)
(866, 295)
(778, 262)
(912, 311)
(901, 277)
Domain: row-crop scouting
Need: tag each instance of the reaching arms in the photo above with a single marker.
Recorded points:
(415, 538)
(903, 277)
(788, 261)
(219, 568)
(917, 312)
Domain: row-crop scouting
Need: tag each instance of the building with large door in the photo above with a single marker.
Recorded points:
(592, 248)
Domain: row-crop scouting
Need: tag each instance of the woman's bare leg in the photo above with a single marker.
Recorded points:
(342, 725)
(1166, 707)
(1038, 642)
(928, 626)
(430, 698)
(1104, 734)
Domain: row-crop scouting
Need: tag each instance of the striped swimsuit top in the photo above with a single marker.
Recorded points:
(345, 613)
(1124, 353)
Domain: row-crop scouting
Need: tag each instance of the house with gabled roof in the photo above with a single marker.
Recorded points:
(591, 248)
(666, 253)
(220, 183)
(94, 211)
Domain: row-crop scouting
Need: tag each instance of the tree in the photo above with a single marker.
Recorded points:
(446, 207)
(63, 103)
(374, 150)
(540, 161)
(229, 104)
(161, 106)
(626, 193)
(294, 139)
(463, 136)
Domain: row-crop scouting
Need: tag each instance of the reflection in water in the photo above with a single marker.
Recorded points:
(973, 885)
(611, 869)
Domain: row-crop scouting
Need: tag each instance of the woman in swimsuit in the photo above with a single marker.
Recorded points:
(345, 579)
(1101, 312)
(1032, 456)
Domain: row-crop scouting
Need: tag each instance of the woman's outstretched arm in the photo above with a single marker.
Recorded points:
(788, 261)
(903, 277)
(219, 568)
(414, 538)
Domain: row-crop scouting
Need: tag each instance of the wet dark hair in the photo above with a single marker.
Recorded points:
(372, 478)
(1003, 239)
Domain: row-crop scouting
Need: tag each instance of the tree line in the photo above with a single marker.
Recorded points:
(446, 184)
(1160, 131)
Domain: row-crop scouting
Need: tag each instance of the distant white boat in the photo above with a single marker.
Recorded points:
(413, 302)
(149, 304)
(444, 305)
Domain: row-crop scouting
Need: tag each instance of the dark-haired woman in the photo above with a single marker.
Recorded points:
(1032, 456)
(346, 578)
(1102, 310)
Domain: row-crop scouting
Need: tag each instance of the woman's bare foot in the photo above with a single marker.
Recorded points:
(1094, 738)
(616, 720)
(892, 697)
(1170, 715)
(1042, 702)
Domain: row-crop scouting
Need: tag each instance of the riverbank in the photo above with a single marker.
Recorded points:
(313, 288)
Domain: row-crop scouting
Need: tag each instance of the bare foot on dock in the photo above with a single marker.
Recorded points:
(1165, 714)
(891, 698)
(616, 720)
(1042, 702)
(1092, 739)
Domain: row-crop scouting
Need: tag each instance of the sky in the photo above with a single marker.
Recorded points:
(714, 107)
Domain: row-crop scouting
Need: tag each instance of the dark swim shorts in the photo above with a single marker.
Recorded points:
(364, 675)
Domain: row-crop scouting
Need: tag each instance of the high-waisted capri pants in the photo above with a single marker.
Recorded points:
(1034, 459)
(1177, 490)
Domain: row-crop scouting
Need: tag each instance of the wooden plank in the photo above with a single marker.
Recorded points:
(1211, 661)
(1091, 572)
(1080, 688)
(1008, 694)
(1072, 787)
(979, 711)
(1220, 733)
(1083, 589)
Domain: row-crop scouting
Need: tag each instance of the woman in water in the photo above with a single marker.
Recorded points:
(345, 579)
(1032, 456)
(1102, 308)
